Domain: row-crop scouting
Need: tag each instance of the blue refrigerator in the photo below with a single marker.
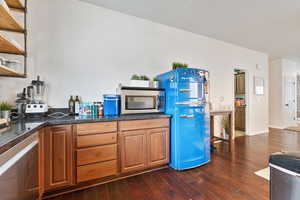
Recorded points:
(187, 102)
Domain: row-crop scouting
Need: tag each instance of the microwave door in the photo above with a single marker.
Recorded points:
(140, 102)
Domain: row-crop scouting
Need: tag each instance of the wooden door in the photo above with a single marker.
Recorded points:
(59, 159)
(133, 147)
(158, 146)
(236, 84)
(240, 120)
(237, 118)
(240, 83)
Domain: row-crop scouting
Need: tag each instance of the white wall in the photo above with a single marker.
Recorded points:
(88, 50)
(283, 74)
(275, 97)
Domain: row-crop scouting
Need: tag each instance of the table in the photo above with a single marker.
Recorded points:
(214, 138)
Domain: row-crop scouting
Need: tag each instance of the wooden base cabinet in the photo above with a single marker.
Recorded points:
(58, 157)
(158, 146)
(80, 155)
(141, 149)
(133, 147)
(240, 118)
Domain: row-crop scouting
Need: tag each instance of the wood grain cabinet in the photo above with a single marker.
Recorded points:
(158, 146)
(145, 146)
(240, 84)
(240, 118)
(93, 153)
(96, 150)
(133, 145)
(58, 157)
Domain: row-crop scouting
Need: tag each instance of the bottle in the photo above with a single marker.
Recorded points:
(95, 109)
(71, 105)
(100, 109)
(77, 105)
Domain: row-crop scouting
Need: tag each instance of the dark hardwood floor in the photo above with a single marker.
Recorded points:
(229, 176)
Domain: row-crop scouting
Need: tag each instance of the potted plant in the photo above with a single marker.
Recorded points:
(176, 65)
(155, 82)
(5, 109)
(139, 81)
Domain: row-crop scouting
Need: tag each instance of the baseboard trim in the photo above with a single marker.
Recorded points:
(277, 127)
(257, 132)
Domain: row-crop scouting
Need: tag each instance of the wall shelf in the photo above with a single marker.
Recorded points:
(10, 47)
(15, 5)
(5, 71)
(7, 20)
(10, 24)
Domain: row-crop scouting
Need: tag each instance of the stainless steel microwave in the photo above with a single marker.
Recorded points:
(135, 100)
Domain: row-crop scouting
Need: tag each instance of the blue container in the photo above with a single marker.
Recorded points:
(111, 104)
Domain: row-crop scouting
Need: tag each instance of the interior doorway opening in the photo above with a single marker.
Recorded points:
(240, 102)
(298, 98)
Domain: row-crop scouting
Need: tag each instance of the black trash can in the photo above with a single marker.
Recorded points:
(285, 176)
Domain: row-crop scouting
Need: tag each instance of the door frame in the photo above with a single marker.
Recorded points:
(247, 98)
(297, 118)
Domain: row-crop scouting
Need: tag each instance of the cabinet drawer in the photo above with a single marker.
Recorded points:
(95, 171)
(94, 140)
(96, 154)
(94, 128)
(143, 124)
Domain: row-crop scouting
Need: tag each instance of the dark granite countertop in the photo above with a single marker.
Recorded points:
(21, 129)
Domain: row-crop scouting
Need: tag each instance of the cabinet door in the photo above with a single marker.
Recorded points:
(158, 146)
(240, 83)
(59, 159)
(133, 150)
(235, 84)
(237, 118)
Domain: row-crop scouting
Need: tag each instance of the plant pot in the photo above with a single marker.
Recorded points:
(139, 83)
(5, 114)
(155, 84)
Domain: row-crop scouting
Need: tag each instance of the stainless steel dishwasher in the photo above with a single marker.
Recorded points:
(19, 171)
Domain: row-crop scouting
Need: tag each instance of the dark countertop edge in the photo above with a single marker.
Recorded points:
(5, 147)
(119, 118)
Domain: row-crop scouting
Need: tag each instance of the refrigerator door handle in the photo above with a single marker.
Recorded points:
(187, 116)
(185, 90)
(191, 103)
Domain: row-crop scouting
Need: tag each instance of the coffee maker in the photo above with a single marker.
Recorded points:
(35, 95)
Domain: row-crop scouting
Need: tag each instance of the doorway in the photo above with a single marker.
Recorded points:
(298, 97)
(240, 103)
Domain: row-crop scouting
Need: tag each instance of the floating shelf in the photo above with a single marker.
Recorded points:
(5, 71)
(7, 20)
(8, 23)
(9, 46)
(16, 5)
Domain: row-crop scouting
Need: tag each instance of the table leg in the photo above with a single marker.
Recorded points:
(212, 133)
(230, 130)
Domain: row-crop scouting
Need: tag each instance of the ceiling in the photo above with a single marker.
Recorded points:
(270, 26)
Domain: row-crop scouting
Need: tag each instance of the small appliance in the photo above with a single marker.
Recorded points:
(21, 102)
(187, 101)
(135, 100)
(35, 92)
